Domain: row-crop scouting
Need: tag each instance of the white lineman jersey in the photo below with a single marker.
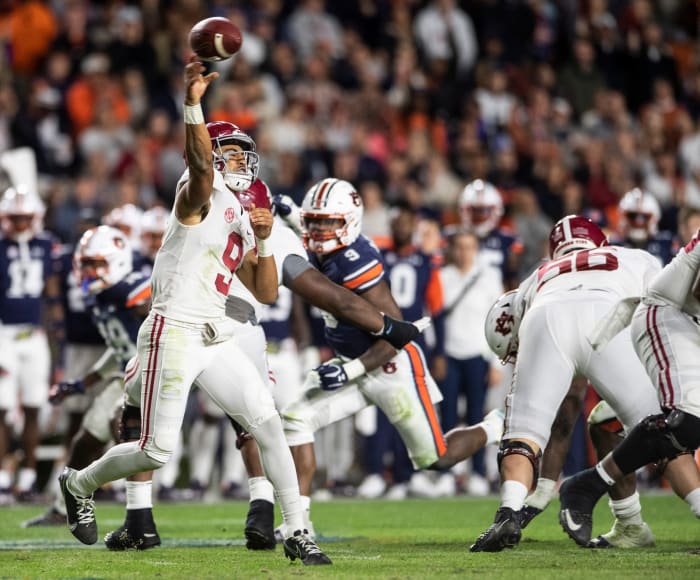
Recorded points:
(560, 305)
(195, 266)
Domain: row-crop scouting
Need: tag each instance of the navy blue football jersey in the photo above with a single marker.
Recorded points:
(357, 267)
(114, 316)
(80, 328)
(664, 246)
(24, 269)
(496, 249)
(275, 317)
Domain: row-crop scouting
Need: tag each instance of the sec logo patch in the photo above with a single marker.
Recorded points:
(229, 215)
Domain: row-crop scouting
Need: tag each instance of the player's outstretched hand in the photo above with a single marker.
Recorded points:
(399, 333)
(284, 206)
(60, 391)
(331, 376)
(196, 83)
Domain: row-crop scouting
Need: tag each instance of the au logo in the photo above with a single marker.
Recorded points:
(504, 323)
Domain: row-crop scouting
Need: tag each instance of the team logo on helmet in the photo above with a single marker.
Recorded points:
(504, 324)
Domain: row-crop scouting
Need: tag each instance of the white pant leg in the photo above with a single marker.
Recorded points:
(99, 417)
(79, 358)
(405, 391)
(542, 375)
(667, 342)
(621, 380)
(171, 355)
(32, 368)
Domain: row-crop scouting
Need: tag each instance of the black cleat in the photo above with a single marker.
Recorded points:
(122, 539)
(301, 546)
(504, 532)
(80, 511)
(260, 525)
(527, 514)
(50, 518)
(578, 496)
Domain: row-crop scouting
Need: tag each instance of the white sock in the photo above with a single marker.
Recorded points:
(513, 494)
(306, 510)
(139, 495)
(494, 432)
(261, 488)
(543, 494)
(5, 479)
(628, 510)
(290, 506)
(26, 478)
(693, 500)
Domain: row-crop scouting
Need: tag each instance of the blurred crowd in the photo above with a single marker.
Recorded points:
(563, 105)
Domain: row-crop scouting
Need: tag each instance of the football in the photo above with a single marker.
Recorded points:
(214, 39)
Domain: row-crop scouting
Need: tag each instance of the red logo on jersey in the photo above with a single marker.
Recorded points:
(504, 324)
(389, 368)
(229, 215)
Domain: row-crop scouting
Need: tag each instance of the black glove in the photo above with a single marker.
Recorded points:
(332, 376)
(398, 333)
(64, 389)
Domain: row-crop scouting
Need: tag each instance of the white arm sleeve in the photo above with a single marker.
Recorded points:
(675, 282)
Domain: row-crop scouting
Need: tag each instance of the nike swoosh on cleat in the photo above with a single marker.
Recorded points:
(149, 535)
(570, 522)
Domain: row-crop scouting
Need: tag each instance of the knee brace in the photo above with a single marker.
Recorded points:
(658, 437)
(242, 436)
(130, 424)
(510, 447)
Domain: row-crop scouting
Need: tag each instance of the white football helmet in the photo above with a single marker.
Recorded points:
(480, 207)
(223, 133)
(328, 200)
(154, 222)
(22, 213)
(102, 258)
(501, 327)
(126, 218)
(639, 215)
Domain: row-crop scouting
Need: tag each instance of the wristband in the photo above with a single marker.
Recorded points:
(264, 247)
(194, 114)
(354, 369)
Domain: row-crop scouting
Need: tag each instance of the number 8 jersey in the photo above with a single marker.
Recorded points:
(196, 264)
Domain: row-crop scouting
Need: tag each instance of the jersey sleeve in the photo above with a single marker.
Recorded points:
(138, 292)
(434, 298)
(360, 277)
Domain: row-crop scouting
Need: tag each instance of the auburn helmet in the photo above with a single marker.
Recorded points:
(480, 207)
(330, 200)
(102, 258)
(574, 232)
(639, 215)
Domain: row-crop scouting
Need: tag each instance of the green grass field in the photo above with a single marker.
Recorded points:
(365, 539)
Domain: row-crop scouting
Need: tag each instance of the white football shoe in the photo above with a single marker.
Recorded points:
(372, 487)
(625, 536)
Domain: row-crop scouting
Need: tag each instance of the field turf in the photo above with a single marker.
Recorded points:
(418, 539)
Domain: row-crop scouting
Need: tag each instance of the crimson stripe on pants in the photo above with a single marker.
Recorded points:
(151, 372)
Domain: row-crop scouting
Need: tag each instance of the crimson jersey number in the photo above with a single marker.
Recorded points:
(599, 259)
(233, 254)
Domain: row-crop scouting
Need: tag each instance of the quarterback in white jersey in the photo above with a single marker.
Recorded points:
(187, 336)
